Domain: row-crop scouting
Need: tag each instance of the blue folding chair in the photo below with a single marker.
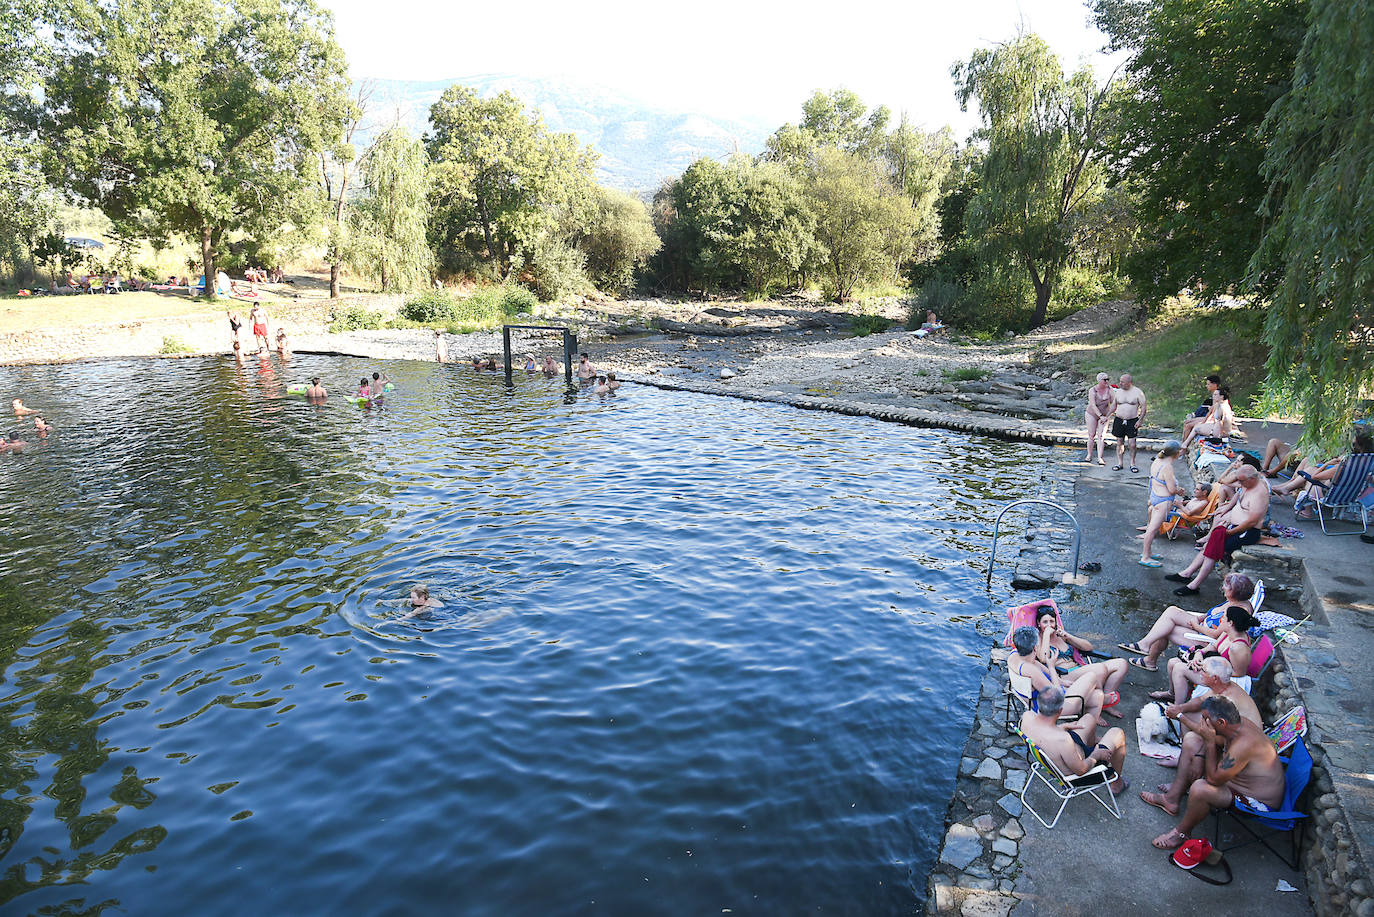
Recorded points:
(1287, 821)
(1344, 492)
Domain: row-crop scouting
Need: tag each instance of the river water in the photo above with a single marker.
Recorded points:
(697, 655)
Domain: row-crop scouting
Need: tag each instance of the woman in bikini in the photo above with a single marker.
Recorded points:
(1163, 488)
(1101, 405)
(1188, 628)
(1029, 675)
(1062, 650)
(1233, 645)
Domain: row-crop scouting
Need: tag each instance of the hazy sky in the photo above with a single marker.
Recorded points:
(724, 57)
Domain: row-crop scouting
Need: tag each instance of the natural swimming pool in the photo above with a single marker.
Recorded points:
(697, 654)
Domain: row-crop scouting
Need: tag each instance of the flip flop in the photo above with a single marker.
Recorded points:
(1139, 663)
(1152, 562)
(1162, 695)
(1125, 785)
(1116, 468)
(1133, 648)
(1135, 470)
(1160, 807)
(1111, 699)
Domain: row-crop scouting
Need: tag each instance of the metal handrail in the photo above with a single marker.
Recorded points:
(996, 526)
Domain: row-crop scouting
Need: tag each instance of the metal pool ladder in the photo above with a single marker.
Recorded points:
(1077, 531)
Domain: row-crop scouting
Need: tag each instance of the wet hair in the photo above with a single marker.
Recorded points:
(1172, 448)
(1218, 708)
(315, 380)
(377, 375)
(1239, 585)
(363, 381)
(1025, 638)
(1218, 667)
(421, 590)
(237, 345)
(1215, 380)
(1240, 619)
(1050, 701)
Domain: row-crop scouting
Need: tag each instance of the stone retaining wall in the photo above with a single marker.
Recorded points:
(200, 334)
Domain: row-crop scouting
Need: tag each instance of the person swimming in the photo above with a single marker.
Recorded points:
(19, 409)
(611, 382)
(13, 444)
(41, 425)
(550, 369)
(601, 387)
(420, 601)
(531, 365)
(378, 385)
(316, 391)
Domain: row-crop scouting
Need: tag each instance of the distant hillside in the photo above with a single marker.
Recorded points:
(640, 144)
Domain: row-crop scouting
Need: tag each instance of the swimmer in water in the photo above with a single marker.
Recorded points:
(549, 368)
(601, 387)
(378, 385)
(585, 370)
(530, 365)
(363, 389)
(14, 444)
(41, 425)
(316, 391)
(420, 601)
(19, 409)
(611, 382)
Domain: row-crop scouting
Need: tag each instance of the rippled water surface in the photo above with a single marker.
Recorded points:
(696, 655)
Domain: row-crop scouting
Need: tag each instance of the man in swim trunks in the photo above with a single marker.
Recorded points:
(1067, 745)
(259, 317)
(316, 391)
(1239, 762)
(1130, 416)
(19, 409)
(1237, 524)
(585, 370)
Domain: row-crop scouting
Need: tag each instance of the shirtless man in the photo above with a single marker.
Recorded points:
(316, 391)
(1130, 414)
(1238, 760)
(550, 368)
(19, 409)
(601, 387)
(1235, 525)
(13, 444)
(1216, 682)
(259, 318)
(377, 387)
(440, 346)
(1067, 745)
(585, 370)
(612, 383)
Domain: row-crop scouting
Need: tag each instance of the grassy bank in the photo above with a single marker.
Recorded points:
(1171, 353)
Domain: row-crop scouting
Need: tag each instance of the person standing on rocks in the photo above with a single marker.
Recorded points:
(1101, 405)
(440, 345)
(1130, 415)
(259, 317)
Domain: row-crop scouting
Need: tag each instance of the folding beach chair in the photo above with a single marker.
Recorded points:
(1066, 787)
(1288, 820)
(1177, 519)
(1291, 727)
(1345, 490)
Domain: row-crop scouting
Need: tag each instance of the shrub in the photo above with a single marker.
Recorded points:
(1080, 288)
(935, 295)
(965, 374)
(865, 325)
(557, 270)
(432, 306)
(354, 318)
(173, 345)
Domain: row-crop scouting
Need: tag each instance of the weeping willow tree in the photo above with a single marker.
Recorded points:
(393, 216)
(1320, 165)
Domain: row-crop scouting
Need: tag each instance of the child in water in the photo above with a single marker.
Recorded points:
(363, 389)
(379, 383)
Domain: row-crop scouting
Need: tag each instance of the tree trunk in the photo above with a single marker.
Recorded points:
(207, 262)
(1042, 302)
(334, 280)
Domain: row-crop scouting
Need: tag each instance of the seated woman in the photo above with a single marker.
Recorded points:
(1029, 675)
(1188, 628)
(1220, 421)
(1233, 645)
(1312, 479)
(1058, 647)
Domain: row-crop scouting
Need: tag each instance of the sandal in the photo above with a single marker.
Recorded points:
(1135, 470)
(1134, 648)
(1111, 699)
(1162, 696)
(1116, 468)
(1152, 562)
(1157, 805)
(1140, 663)
(1172, 840)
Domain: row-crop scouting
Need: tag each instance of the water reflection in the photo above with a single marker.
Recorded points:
(720, 645)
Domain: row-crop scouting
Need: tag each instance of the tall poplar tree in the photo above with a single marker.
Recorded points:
(194, 117)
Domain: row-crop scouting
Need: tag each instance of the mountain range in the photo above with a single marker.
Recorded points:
(639, 143)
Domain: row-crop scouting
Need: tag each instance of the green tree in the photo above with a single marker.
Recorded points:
(1320, 165)
(24, 198)
(1042, 131)
(917, 164)
(618, 240)
(501, 179)
(864, 225)
(338, 162)
(837, 118)
(202, 116)
(393, 215)
(774, 241)
(1201, 80)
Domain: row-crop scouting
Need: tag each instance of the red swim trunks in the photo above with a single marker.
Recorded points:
(259, 331)
(1221, 542)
